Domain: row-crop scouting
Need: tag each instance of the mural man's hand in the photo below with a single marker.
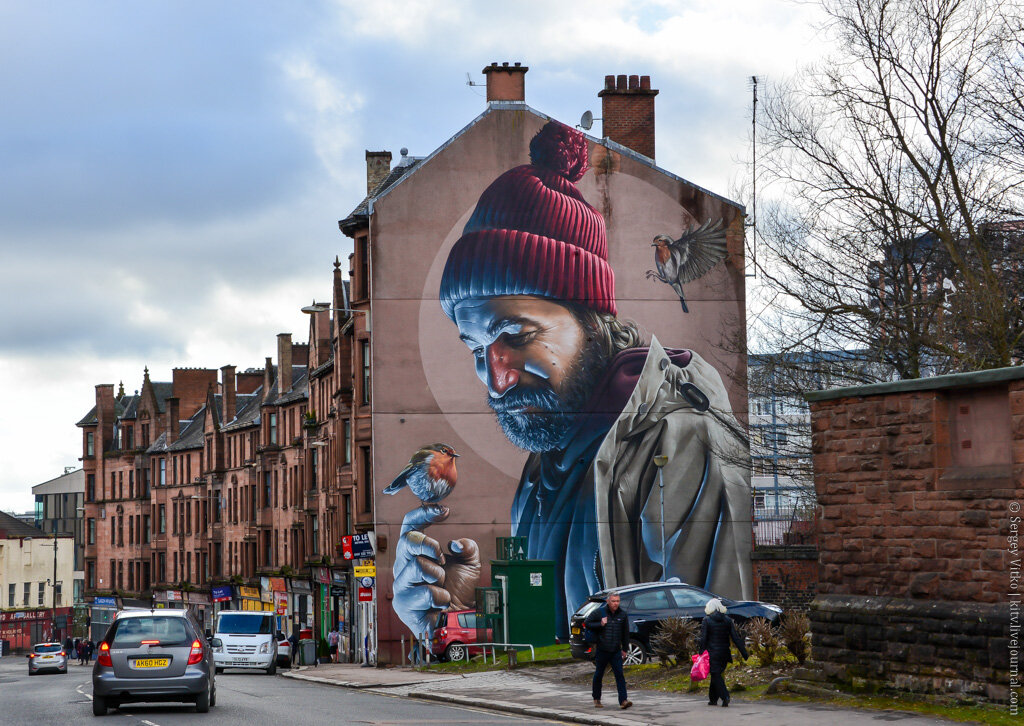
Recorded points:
(462, 573)
(427, 579)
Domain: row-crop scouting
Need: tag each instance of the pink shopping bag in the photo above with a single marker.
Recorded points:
(701, 666)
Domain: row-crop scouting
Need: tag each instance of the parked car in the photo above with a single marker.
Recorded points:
(154, 655)
(647, 604)
(455, 632)
(47, 657)
(284, 650)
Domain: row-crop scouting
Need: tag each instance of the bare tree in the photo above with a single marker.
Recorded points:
(893, 232)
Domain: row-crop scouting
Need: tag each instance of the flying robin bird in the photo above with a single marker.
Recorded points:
(430, 474)
(691, 256)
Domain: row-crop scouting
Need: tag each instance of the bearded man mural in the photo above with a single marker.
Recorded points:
(529, 286)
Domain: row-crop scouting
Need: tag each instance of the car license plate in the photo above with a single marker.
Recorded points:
(151, 662)
(47, 657)
(576, 631)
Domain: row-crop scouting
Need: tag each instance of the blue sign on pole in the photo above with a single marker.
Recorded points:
(221, 593)
(105, 602)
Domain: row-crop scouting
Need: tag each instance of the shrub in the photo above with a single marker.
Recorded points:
(795, 633)
(764, 643)
(675, 640)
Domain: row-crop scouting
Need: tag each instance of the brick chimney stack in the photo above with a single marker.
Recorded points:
(268, 378)
(284, 363)
(173, 407)
(505, 82)
(378, 166)
(105, 416)
(227, 389)
(627, 110)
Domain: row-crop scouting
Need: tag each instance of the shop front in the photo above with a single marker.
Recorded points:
(250, 598)
(101, 615)
(24, 628)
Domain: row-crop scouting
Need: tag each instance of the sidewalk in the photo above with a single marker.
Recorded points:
(530, 695)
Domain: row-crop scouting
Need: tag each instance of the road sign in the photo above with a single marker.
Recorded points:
(366, 594)
(365, 570)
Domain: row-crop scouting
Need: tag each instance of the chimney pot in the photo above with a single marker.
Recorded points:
(609, 83)
(506, 82)
(634, 82)
(620, 82)
(645, 83)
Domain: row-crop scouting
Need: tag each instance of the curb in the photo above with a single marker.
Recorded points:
(535, 711)
(360, 686)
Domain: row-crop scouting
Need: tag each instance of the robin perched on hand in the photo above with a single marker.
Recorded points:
(430, 474)
(691, 256)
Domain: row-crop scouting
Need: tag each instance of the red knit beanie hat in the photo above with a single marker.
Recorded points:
(532, 233)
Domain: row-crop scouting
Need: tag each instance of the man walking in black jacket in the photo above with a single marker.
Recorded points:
(612, 630)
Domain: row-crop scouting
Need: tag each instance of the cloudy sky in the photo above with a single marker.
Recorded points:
(173, 172)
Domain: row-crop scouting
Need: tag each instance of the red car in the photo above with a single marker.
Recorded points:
(454, 632)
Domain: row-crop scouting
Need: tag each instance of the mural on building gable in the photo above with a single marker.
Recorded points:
(530, 289)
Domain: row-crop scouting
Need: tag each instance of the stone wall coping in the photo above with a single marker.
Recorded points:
(896, 606)
(953, 380)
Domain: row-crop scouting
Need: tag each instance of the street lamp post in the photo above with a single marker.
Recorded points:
(324, 307)
(659, 461)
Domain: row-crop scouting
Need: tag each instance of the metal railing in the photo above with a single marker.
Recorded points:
(423, 642)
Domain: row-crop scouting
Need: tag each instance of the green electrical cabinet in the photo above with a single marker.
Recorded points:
(531, 600)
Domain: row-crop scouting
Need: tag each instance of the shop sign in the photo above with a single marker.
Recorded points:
(337, 591)
(248, 592)
(198, 598)
(280, 603)
(354, 546)
(338, 577)
(277, 584)
(222, 593)
(365, 570)
(174, 596)
(366, 594)
(104, 602)
(321, 575)
(300, 586)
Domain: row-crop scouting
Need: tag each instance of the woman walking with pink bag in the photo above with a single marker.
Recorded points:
(715, 633)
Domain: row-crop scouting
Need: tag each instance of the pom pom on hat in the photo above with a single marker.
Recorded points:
(560, 149)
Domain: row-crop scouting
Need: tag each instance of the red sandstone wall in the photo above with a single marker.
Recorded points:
(904, 511)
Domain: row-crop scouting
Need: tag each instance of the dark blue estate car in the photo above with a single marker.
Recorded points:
(648, 603)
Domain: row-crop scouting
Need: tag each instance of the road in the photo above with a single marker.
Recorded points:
(243, 699)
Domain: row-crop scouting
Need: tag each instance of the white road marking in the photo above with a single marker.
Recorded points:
(149, 723)
(80, 692)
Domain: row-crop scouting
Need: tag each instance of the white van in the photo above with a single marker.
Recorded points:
(247, 639)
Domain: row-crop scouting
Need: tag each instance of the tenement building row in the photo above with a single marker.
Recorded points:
(233, 488)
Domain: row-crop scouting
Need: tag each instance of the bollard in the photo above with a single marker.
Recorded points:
(511, 653)
(403, 648)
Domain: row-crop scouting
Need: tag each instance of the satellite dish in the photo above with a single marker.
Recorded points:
(587, 121)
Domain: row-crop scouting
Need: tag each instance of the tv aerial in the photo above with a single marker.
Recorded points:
(587, 121)
(469, 81)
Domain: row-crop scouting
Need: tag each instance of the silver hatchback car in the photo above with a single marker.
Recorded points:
(47, 657)
(153, 655)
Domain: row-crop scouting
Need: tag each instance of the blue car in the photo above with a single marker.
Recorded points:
(647, 604)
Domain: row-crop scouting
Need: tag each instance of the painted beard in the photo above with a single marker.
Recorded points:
(551, 414)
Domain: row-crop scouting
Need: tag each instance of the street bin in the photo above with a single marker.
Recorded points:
(307, 652)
